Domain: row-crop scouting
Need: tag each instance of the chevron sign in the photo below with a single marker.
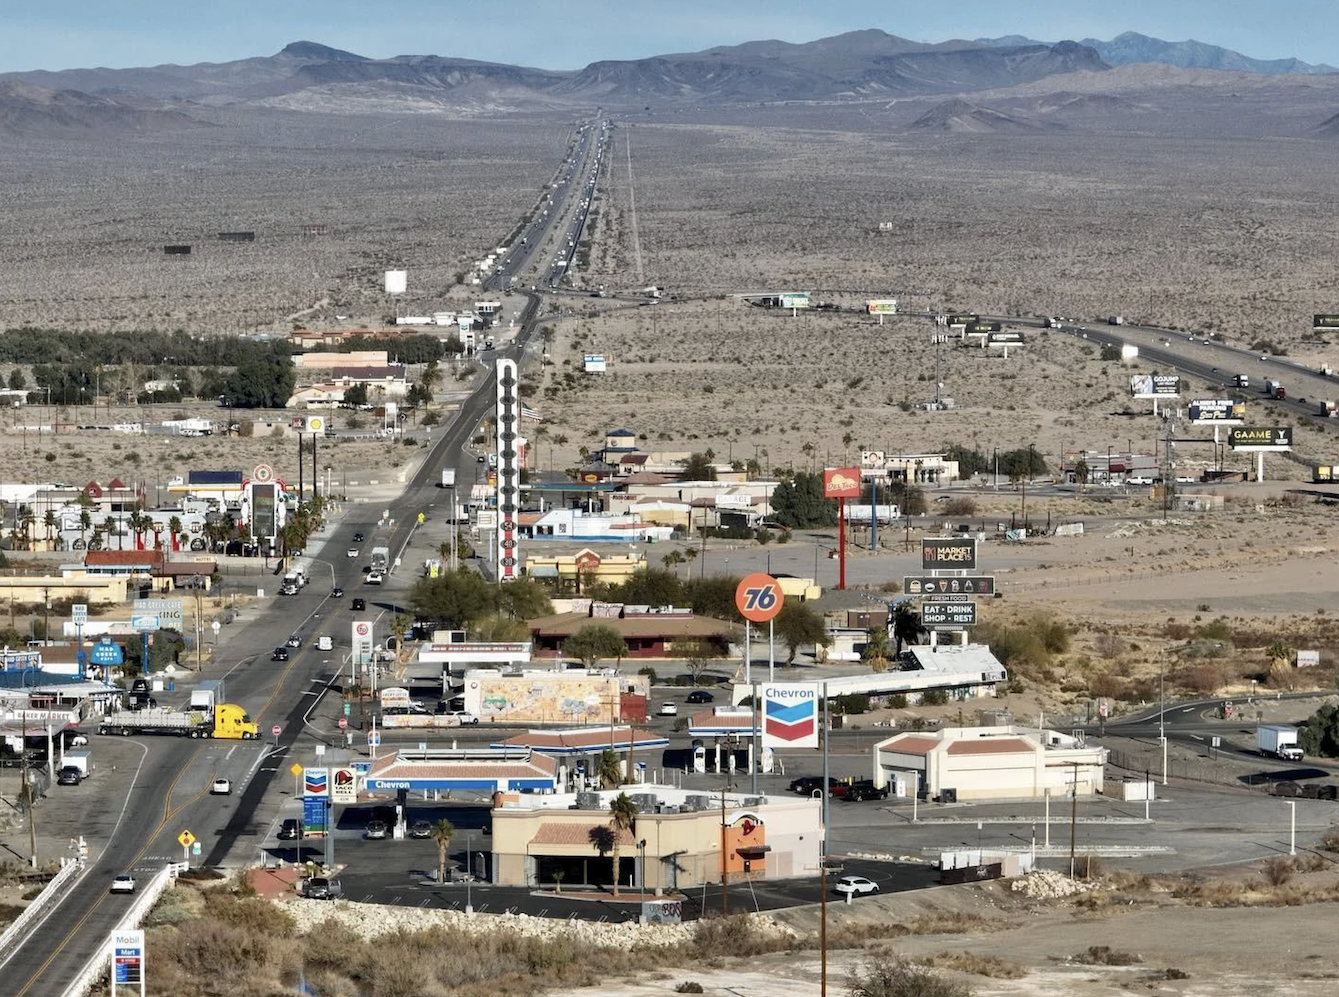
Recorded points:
(790, 714)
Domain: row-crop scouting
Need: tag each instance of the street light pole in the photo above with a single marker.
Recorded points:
(1162, 720)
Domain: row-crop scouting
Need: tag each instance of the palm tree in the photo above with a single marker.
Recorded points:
(27, 519)
(49, 523)
(85, 521)
(907, 627)
(607, 770)
(671, 559)
(442, 833)
(174, 527)
(622, 818)
(690, 555)
(108, 528)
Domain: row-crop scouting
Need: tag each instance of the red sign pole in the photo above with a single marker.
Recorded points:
(841, 544)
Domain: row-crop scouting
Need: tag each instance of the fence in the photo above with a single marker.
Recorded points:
(50, 896)
(1199, 769)
(99, 966)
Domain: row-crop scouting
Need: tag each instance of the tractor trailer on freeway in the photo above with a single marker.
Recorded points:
(226, 720)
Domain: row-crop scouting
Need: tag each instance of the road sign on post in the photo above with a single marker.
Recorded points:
(759, 598)
(127, 961)
(276, 730)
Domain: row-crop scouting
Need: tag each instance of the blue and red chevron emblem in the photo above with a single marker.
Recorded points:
(790, 721)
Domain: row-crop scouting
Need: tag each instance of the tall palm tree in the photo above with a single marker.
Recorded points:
(622, 818)
(607, 770)
(174, 528)
(907, 627)
(27, 519)
(85, 521)
(442, 832)
(49, 523)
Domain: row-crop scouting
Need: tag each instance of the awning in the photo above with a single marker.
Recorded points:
(753, 851)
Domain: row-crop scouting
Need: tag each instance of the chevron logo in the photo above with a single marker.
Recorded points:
(790, 722)
(315, 782)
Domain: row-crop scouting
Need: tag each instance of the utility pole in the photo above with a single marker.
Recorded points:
(1073, 819)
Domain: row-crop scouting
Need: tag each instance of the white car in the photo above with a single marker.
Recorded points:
(221, 787)
(463, 718)
(855, 885)
(668, 710)
(374, 578)
(124, 883)
(353, 552)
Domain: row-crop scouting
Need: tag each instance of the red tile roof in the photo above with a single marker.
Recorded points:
(913, 744)
(554, 833)
(991, 746)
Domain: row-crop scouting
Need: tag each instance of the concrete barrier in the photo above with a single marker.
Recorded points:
(50, 896)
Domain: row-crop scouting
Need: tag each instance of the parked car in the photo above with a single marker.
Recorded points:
(69, 775)
(855, 885)
(221, 787)
(280, 654)
(322, 888)
(420, 829)
(668, 710)
(864, 789)
(464, 718)
(700, 696)
(124, 883)
(290, 829)
(377, 830)
(809, 784)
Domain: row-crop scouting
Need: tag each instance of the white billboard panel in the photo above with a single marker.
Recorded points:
(1155, 385)
(396, 281)
(790, 714)
(881, 306)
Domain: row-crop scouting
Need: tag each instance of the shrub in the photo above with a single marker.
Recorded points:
(1278, 871)
(688, 987)
(934, 697)
(892, 976)
(898, 701)
(650, 673)
(1105, 955)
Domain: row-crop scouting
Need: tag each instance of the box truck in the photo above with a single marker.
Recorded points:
(1278, 740)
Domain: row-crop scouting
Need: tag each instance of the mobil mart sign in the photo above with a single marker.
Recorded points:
(790, 714)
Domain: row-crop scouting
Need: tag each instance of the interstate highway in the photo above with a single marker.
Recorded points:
(170, 790)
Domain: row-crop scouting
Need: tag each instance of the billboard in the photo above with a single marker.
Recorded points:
(841, 482)
(1155, 385)
(396, 281)
(550, 698)
(948, 614)
(970, 584)
(790, 714)
(794, 299)
(343, 785)
(1010, 337)
(881, 306)
(1260, 438)
(940, 553)
(1217, 410)
(1325, 321)
(362, 642)
(961, 318)
(315, 782)
(979, 328)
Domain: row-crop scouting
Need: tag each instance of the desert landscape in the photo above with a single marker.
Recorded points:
(1191, 200)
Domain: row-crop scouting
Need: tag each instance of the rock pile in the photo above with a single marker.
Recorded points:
(1047, 885)
(371, 920)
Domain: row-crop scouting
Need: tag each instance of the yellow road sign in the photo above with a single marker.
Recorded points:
(295, 769)
(186, 839)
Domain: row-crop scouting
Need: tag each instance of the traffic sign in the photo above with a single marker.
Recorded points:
(759, 597)
(276, 730)
(79, 614)
(948, 614)
(144, 623)
(347, 709)
(374, 738)
(185, 839)
(343, 723)
(295, 769)
(926, 584)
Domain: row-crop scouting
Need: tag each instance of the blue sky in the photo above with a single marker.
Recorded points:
(568, 34)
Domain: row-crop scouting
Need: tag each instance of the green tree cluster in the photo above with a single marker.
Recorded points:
(798, 503)
(1320, 735)
(465, 599)
(264, 379)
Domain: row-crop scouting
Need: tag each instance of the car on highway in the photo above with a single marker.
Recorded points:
(294, 641)
(322, 888)
(352, 552)
(221, 787)
(359, 605)
(358, 538)
(374, 577)
(855, 886)
(290, 829)
(377, 830)
(668, 710)
(700, 696)
(337, 593)
(420, 829)
(280, 654)
(124, 883)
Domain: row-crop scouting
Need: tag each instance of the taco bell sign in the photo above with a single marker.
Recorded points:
(790, 714)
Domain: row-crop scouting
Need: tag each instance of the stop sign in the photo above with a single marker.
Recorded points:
(343, 723)
(276, 730)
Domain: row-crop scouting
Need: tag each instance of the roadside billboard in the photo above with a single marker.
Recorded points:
(343, 785)
(961, 318)
(1009, 337)
(1220, 410)
(1325, 321)
(794, 299)
(941, 553)
(790, 714)
(951, 615)
(881, 306)
(841, 482)
(1155, 385)
(1260, 438)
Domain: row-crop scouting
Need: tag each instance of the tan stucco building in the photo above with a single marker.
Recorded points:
(677, 842)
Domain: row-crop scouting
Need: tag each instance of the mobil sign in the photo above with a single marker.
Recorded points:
(790, 714)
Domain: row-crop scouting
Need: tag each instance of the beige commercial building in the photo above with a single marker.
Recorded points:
(988, 763)
(681, 838)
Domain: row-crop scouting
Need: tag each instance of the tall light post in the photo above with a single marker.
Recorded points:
(1162, 720)
(641, 875)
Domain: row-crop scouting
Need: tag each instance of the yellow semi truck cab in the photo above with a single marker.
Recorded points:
(232, 722)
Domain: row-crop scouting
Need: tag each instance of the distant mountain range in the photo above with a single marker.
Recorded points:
(307, 76)
(1132, 48)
